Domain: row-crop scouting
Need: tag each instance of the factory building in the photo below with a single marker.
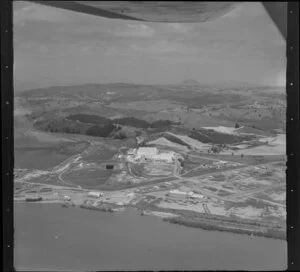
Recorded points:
(95, 194)
(194, 195)
(182, 195)
(147, 152)
(152, 153)
(177, 194)
(166, 156)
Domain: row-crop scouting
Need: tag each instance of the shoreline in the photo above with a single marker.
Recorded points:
(173, 218)
(38, 202)
(269, 233)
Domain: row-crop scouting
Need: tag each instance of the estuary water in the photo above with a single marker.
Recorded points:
(51, 238)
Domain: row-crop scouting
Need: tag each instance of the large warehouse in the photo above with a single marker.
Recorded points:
(147, 152)
(166, 156)
(151, 153)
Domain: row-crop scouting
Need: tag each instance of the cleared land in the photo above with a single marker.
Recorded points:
(228, 172)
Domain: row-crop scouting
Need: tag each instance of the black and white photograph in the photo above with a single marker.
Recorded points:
(149, 136)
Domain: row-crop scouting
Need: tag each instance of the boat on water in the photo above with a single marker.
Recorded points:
(33, 199)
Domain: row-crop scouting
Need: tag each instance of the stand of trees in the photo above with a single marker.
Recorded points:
(126, 121)
(100, 131)
(62, 129)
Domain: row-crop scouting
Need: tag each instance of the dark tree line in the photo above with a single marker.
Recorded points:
(100, 131)
(62, 129)
(126, 121)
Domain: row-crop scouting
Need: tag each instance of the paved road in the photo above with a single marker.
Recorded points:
(254, 191)
(54, 186)
(242, 167)
(208, 158)
(196, 180)
(177, 178)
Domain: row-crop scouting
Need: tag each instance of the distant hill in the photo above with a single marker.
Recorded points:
(233, 84)
(190, 82)
(190, 95)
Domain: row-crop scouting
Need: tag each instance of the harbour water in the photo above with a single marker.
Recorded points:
(51, 238)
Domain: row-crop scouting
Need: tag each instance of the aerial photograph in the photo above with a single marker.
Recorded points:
(145, 141)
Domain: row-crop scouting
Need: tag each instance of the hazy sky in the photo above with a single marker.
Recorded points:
(60, 47)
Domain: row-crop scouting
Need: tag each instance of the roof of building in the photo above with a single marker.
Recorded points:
(147, 150)
(95, 193)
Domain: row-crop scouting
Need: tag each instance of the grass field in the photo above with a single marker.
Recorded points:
(88, 178)
(99, 154)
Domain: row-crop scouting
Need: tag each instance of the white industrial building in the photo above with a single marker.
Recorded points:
(181, 194)
(95, 194)
(177, 194)
(147, 152)
(151, 153)
(194, 196)
(166, 156)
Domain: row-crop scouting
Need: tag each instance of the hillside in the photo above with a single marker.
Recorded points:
(130, 109)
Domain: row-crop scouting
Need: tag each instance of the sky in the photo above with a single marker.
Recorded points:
(61, 47)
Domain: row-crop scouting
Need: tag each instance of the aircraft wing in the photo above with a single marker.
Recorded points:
(179, 12)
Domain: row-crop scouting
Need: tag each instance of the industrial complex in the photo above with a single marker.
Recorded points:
(195, 187)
